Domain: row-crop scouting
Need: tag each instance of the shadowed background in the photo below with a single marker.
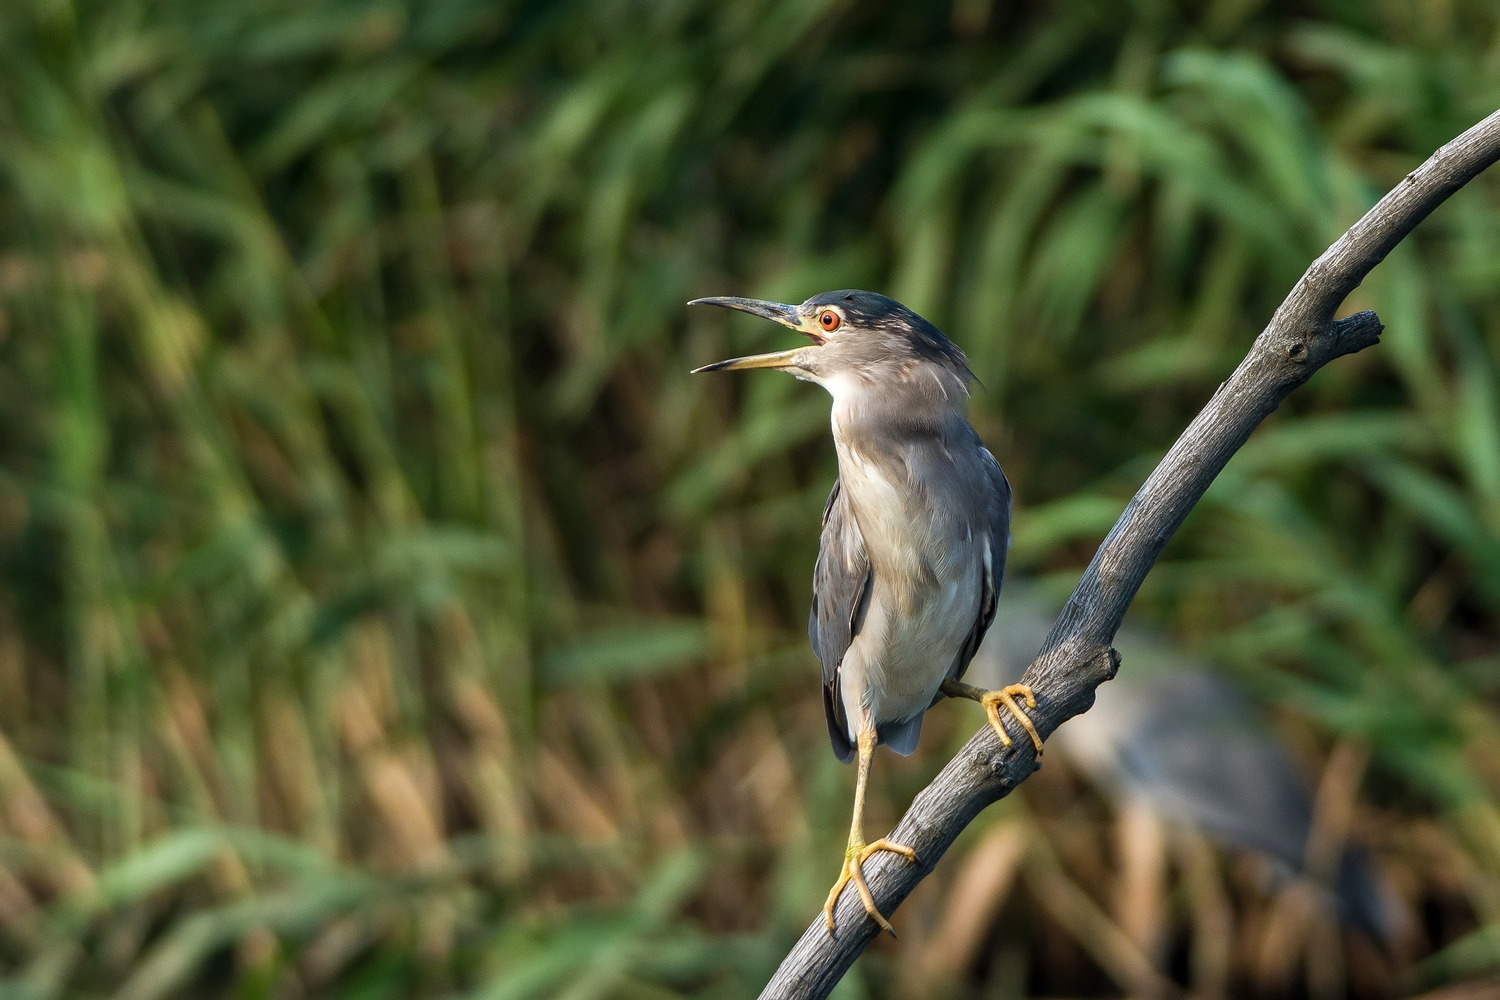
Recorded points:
(384, 612)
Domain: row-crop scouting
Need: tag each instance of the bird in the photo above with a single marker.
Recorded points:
(914, 536)
(1178, 737)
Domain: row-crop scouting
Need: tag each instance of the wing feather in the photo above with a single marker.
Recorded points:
(996, 527)
(842, 581)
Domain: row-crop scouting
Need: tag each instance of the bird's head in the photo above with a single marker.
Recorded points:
(858, 339)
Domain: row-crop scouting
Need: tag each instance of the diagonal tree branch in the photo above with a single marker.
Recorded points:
(1077, 656)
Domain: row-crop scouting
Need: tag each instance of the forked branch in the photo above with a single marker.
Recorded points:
(1077, 656)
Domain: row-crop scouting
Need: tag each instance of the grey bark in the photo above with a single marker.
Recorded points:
(1077, 656)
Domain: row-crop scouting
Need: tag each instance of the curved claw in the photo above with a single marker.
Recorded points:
(854, 858)
(1006, 696)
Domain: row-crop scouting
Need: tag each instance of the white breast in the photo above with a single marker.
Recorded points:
(928, 562)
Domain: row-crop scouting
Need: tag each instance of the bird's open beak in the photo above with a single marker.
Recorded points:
(776, 311)
(781, 359)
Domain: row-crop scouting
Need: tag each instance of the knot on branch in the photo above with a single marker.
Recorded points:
(1110, 664)
(1308, 346)
(1356, 331)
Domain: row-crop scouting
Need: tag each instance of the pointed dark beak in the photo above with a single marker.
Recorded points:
(778, 312)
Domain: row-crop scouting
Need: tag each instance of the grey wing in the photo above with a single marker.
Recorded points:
(842, 581)
(995, 526)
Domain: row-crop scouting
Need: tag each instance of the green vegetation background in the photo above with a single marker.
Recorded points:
(384, 612)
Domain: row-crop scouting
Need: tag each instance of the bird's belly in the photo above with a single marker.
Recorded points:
(906, 648)
(927, 556)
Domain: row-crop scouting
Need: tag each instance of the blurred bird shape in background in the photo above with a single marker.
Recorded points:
(914, 536)
(1173, 736)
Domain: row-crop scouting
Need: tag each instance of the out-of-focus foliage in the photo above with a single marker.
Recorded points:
(385, 613)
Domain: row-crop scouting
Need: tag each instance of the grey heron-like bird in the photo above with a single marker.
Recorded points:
(1177, 736)
(914, 535)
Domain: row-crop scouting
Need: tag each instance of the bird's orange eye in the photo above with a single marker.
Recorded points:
(829, 320)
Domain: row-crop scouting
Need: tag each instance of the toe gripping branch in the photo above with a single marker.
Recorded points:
(993, 701)
(854, 858)
(1006, 696)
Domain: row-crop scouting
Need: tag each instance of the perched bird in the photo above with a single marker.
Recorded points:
(914, 537)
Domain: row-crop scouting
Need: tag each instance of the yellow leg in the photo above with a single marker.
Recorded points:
(857, 851)
(993, 700)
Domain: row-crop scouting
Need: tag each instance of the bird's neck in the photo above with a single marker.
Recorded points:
(873, 423)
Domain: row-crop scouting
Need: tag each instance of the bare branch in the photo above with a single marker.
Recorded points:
(1301, 337)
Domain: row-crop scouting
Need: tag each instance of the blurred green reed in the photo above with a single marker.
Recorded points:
(385, 612)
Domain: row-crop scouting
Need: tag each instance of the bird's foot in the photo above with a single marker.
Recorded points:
(993, 701)
(1006, 696)
(855, 856)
